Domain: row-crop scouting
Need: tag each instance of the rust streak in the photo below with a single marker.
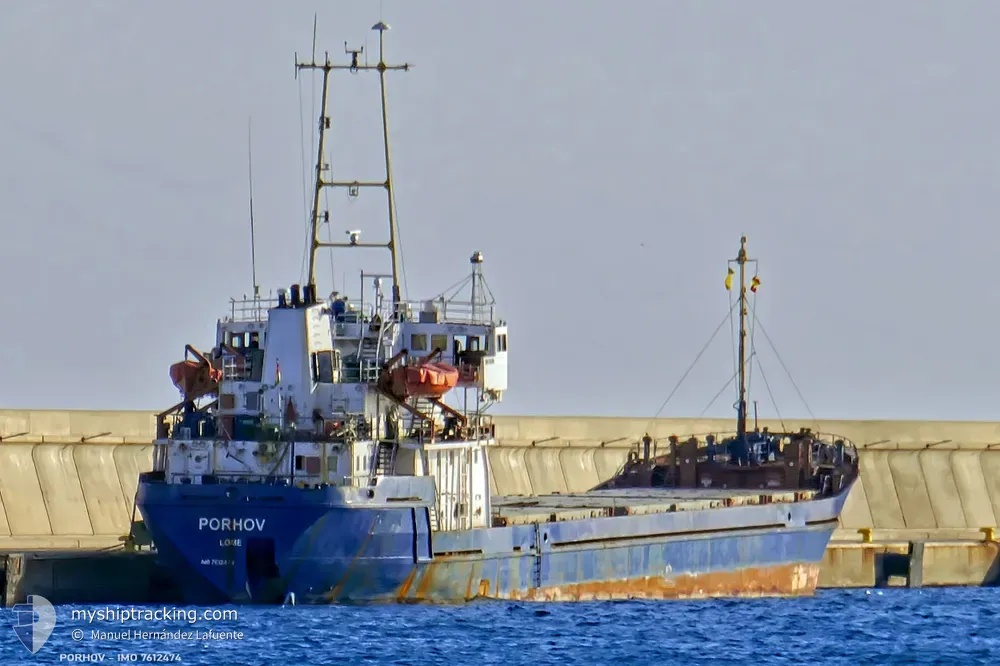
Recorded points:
(781, 580)
(468, 585)
(335, 591)
(404, 589)
(425, 580)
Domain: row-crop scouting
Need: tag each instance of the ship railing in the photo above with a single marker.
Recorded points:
(824, 437)
(160, 450)
(263, 478)
(717, 453)
(455, 312)
(369, 370)
(250, 309)
(481, 426)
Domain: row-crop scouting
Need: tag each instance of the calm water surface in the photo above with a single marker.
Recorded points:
(950, 626)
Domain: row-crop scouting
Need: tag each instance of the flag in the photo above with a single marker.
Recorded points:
(277, 372)
(754, 283)
(729, 280)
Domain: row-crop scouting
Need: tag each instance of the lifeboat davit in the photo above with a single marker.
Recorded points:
(426, 380)
(195, 378)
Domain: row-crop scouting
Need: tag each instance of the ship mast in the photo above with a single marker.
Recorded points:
(353, 186)
(741, 419)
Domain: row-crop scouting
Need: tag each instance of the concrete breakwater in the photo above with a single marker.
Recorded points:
(68, 479)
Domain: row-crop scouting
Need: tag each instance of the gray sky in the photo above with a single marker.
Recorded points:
(605, 157)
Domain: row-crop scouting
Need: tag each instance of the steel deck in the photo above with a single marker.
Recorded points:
(522, 510)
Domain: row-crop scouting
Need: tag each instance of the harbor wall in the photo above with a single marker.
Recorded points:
(68, 479)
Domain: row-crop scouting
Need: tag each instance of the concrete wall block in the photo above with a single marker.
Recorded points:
(942, 490)
(911, 489)
(62, 490)
(968, 467)
(20, 491)
(958, 563)
(883, 503)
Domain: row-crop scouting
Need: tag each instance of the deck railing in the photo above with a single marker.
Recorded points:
(249, 309)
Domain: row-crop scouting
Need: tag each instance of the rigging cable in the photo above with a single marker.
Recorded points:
(785, 368)
(690, 367)
(305, 182)
(329, 238)
(722, 390)
(732, 331)
(308, 251)
(773, 401)
(753, 330)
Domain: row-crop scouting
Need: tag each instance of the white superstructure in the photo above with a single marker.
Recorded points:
(326, 391)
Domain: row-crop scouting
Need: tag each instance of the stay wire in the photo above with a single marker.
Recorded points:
(693, 363)
(785, 368)
(774, 402)
(722, 390)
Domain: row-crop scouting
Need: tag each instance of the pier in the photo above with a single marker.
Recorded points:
(925, 512)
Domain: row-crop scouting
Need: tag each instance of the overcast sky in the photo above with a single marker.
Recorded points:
(604, 156)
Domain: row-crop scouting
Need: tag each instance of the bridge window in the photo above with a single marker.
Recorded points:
(418, 342)
(502, 342)
(322, 367)
(439, 341)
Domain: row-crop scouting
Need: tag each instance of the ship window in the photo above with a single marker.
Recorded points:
(322, 367)
(300, 463)
(252, 401)
(502, 342)
(418, 342)
(439, 341)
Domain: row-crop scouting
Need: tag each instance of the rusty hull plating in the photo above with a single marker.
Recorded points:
(784, 580)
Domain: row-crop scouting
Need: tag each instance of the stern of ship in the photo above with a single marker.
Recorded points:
(257, 543)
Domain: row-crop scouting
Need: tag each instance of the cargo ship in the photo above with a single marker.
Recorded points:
(336, 450)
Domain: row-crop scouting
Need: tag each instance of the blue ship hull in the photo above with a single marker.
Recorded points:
(252, 543)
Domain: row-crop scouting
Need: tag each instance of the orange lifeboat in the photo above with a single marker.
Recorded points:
(426, 380)
(195, 378)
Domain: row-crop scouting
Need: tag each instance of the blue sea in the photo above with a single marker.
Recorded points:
(889, 626)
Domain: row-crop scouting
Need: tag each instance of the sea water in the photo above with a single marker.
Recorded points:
(888, 626)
